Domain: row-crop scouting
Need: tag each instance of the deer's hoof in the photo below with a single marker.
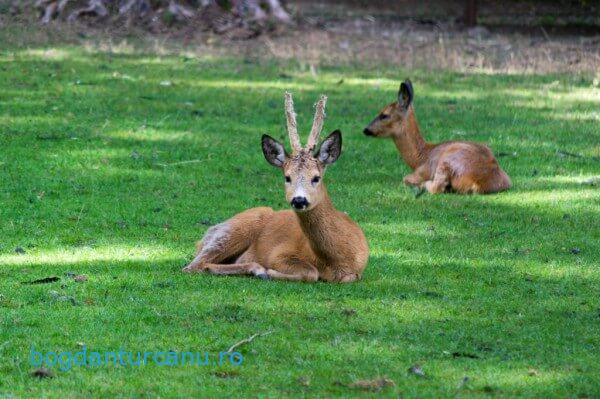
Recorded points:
(192, 269)
(263, 276)
(418, 191)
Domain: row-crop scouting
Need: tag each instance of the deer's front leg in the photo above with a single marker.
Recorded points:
(339, 275)
(413, 180)
(441, 179)
(418, 177)
(294, 270)
(248, 268)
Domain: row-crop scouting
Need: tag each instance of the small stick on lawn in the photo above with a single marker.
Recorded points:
(164, 165)
(247, 340)
(80, 213)
(568, 154)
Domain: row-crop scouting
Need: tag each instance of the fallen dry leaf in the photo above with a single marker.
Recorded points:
(226, 374)
(42, 373)
(464, 354)
(416, 370)
(45, 280)
(304, 381)
(375, 384)
(80, 278)
(62, 298)
(349, 312)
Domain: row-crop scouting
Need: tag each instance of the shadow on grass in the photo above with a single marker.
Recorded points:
(445, 316)
(432, 309)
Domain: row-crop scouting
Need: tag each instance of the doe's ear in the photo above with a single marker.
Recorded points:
(331, 148)
(405, 94)
(273, 151)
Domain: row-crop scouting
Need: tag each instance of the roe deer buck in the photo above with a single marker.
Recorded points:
(314, 241)
(453, 166)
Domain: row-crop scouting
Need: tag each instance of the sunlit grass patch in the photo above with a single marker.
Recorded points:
(114, 253)
(115, 162)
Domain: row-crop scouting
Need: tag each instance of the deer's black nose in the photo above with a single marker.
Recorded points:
(299, 202)
(367, 132)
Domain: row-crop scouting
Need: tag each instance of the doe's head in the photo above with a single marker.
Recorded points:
(391, 118)
(304, 168)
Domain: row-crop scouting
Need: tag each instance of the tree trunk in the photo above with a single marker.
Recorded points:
(470, 14)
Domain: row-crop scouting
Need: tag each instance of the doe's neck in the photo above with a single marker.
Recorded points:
(409, 141)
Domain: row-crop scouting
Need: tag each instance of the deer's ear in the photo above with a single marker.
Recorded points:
(331, 148)
(405, 94)
(273, 151)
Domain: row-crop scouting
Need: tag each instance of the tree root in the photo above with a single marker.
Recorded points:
(94, 8)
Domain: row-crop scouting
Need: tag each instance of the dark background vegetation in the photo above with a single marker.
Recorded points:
(509, 36)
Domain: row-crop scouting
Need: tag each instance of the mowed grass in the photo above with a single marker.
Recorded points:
(114, 165)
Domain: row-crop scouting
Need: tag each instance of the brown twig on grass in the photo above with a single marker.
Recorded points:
(375, 384)
(164, 165)
(247, 340)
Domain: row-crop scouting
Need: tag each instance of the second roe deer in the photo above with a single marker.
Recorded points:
(313, 241)
(454, 166)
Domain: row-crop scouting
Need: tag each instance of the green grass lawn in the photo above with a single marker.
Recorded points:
(114, 165)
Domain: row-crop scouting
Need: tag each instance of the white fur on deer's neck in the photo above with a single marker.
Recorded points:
(320, 224)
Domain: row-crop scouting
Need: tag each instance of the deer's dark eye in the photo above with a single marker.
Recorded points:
(383, 116)
(288, 179)
(315, 179)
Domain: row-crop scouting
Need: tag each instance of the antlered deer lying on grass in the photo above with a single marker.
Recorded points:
(314, 241)
(454, 166)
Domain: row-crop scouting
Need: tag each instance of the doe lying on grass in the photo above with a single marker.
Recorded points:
(314, 241)
(453, 166)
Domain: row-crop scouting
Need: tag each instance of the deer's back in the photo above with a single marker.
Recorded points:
(473, 167)
(463, 157)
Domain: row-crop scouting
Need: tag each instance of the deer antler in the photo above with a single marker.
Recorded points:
(291, 123)
(313, 138)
